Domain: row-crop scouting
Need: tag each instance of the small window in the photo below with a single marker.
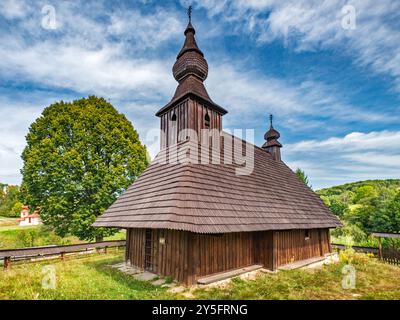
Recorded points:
(207, 120)
(173, 118)
(307, 235)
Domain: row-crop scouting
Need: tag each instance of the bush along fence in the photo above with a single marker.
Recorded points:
(37, 252)
(388, 255)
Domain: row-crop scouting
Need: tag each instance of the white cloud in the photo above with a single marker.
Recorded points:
(355, 141)
(247, 94)
(14, 124)
(314, 24)
(13, 9)
(148, 31)
(376, 159)
(102, 71)
(356, 156)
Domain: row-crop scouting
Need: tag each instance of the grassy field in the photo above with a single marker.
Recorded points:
(77, 278)
(92, 278)
(374, 280)
(6, 222)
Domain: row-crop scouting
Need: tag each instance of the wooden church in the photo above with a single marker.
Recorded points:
(190, 220)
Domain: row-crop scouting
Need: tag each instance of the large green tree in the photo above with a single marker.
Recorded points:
(80, 156)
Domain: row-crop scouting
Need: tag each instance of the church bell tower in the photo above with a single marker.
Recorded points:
(191, 107)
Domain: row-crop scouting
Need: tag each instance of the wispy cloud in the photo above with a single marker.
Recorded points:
(372, 155)
(355, 141)
(313, 25)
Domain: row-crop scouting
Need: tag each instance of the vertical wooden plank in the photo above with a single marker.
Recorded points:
(275, 253)
(380, 248)
(7, 263)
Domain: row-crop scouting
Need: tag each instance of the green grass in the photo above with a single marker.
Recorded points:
(8, 222)
(90, 277)
(374, 280)
(77, 278)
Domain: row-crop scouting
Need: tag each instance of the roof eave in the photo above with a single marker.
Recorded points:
(206, 102)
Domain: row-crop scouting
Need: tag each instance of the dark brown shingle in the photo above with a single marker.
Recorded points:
(211, 198)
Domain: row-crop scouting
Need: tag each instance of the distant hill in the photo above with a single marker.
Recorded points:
(353, 186)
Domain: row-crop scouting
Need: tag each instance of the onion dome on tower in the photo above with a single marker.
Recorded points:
(272, 145)
(190, 70)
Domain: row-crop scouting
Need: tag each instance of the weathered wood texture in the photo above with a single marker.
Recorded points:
(189, 114)
(186, 256)
(217, 253)
(293, 245)
(135, 247)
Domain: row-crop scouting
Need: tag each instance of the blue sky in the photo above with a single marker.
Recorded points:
(334, 92)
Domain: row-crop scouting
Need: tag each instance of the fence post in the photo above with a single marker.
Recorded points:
(105, 249)
(7, 262)
(62, 256)
(380, 248)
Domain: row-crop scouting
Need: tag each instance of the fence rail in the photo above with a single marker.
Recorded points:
(356, 248)
(27, 253)
(391, 256)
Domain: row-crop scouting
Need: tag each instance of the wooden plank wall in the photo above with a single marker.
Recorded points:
(292, 245)
(263, 244)
(135, 247)
(168, 259)
(186, 256)
(189, 114)
(171, 257)
(217, 253)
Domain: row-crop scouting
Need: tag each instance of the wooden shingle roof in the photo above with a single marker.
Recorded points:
(212, 198)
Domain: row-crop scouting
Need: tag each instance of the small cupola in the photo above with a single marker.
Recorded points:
(272, 145)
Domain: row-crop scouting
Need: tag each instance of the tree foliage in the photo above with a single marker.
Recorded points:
(10, 205)
(303, 177)
(79, 158)
(365, 206)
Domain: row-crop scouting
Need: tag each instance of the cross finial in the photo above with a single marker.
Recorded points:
(270, 119)
(189, 12)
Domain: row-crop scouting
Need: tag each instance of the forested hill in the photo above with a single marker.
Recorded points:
(365, 206)
(352, 187)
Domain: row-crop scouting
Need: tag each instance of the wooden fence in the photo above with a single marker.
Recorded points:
(34, 252)
(391, 256)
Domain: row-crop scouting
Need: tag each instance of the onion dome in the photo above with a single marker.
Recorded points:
(271, 136)
(190, 60)
(190, 70)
